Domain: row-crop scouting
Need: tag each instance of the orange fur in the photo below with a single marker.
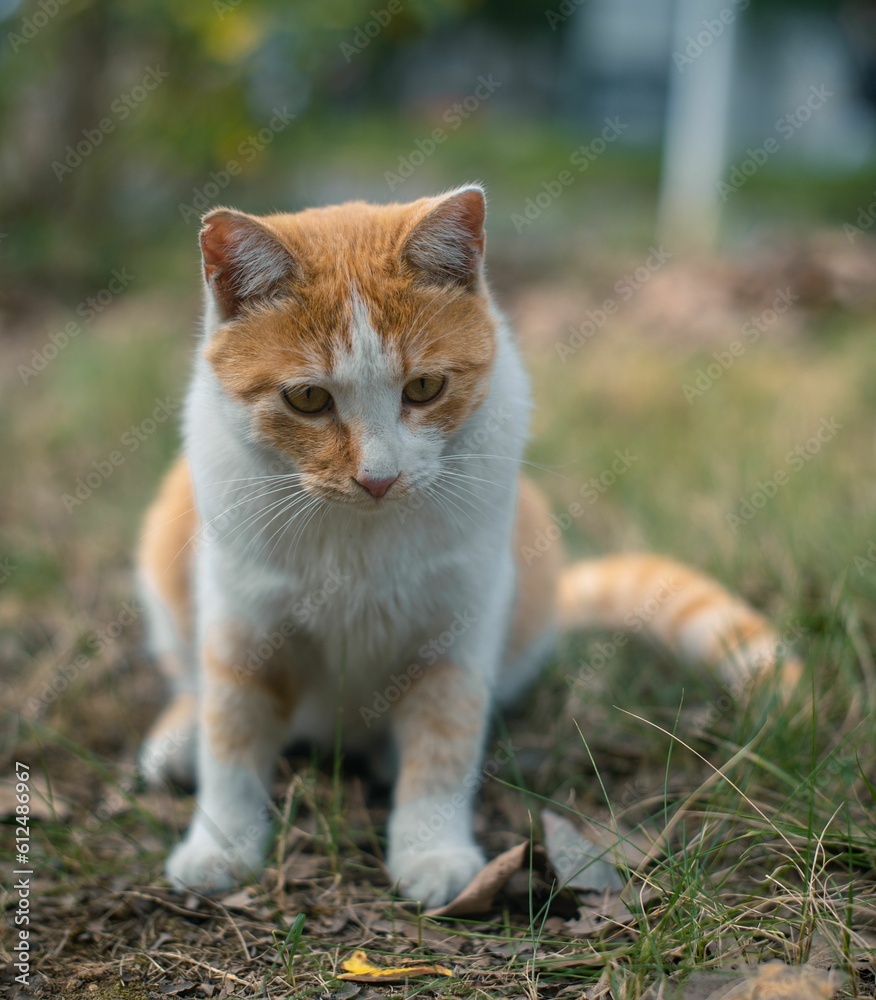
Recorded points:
(240, 704)
(439, 727)
(165, 553)
(535, 604)
(689, 613)
(224, 662)
(180, 716)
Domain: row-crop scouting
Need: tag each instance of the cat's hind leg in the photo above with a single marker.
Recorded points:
(164, 566)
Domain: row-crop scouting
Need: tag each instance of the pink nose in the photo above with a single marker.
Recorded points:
(376, 487)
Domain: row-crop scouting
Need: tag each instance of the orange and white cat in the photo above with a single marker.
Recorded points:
(346, 522)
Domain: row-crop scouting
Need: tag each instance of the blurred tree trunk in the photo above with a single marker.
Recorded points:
(697, 114)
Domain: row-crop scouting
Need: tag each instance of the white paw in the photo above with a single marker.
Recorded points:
(435, 877)
(201, 863)
(169, 751)
(161, 766)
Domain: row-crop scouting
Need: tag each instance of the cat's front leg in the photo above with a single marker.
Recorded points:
(243, 716)
(439, 730)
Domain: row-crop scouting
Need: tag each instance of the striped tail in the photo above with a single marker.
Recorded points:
(687, 613)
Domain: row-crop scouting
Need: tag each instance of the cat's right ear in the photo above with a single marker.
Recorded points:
(242, 260)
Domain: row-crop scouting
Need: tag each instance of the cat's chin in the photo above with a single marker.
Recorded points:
(373, 505)
(366, 504)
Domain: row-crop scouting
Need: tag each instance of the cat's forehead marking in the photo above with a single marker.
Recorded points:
(368, 354)
(366, 372)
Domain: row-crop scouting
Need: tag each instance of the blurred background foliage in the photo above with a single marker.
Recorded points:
(360, 102)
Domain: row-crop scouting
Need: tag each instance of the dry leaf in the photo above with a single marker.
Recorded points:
(698, 985)
(607, 910)
(478, 895)
(241, 900)
(628, 846)
(360, 970)
(302, 868)
(776, 981)
(578, 861)
(772, 981)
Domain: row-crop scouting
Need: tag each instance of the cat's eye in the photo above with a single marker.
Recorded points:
(308, 399)
(423, 389)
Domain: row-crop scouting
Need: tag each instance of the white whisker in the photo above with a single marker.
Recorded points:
(459, 486)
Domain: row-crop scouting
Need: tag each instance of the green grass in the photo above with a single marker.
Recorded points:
(772, 857)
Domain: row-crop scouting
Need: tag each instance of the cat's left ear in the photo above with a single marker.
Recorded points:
(447, 245)
(242, 260)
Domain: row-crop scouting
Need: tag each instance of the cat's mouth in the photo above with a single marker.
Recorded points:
(373, 496)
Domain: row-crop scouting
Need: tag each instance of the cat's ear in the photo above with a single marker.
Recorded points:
(447, 245)
(242, 260)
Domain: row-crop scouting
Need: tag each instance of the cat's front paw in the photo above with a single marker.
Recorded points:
(202, 864)
(435, 877)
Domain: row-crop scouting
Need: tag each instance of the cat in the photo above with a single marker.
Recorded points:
(340, 542)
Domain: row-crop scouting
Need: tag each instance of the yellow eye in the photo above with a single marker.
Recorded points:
(309, 399)
(423, 389)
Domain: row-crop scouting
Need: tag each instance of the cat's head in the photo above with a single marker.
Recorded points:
(357, 338)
